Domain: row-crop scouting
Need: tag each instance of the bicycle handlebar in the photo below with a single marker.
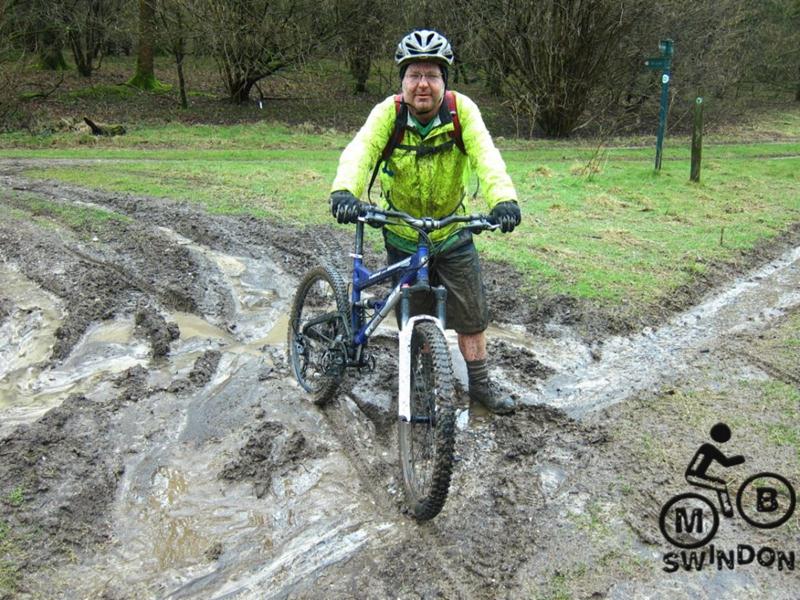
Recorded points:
(377, 217)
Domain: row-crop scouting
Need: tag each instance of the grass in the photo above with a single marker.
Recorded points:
(782, 346)
(595, 520)
(762, 415)
(778, 350)
(557, 588)
(46, 212)
(16, 496)
(202, 141)
(781, 401)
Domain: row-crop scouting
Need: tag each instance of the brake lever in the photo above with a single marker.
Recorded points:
(481, 226)
(373, 219)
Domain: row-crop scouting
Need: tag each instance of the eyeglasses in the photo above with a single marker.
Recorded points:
(417, 78)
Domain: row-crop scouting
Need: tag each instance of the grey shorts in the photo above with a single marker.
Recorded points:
(459, 271)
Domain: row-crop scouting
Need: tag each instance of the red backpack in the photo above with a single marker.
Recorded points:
(396, 139)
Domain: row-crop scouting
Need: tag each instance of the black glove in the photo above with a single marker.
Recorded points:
(345, 207)
(507, 215)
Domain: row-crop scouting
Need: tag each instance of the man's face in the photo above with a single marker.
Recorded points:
(423, 89)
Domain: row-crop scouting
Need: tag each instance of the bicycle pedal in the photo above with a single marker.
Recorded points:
(368, 365)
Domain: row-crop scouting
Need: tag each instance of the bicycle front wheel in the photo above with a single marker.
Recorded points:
(317, 333)
(427, 441)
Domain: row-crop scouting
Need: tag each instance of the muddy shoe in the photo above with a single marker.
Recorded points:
(483, 390)
(487, 394)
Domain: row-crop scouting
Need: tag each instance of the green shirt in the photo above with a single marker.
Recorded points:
(423, 130)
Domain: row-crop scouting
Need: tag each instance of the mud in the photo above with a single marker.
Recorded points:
(202, 371)
(153, 445)
(269, 448)
(6, 306)
(59, 476)
(155, 328)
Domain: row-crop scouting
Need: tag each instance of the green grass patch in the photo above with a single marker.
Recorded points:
(178, 141)
(16, 496)
(80, 218)
(274, 190)
(558, 588)
(784, 399)
(596, 521)
(626, 233)
(780, 347)
(9, 556)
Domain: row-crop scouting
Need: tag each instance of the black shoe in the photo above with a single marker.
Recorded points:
(487, 394)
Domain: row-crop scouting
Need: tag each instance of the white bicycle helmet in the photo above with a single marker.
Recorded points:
(424, 44)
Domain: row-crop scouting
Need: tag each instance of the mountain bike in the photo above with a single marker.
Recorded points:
(329, 333)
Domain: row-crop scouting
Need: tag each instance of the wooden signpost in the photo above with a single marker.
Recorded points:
(697, 139)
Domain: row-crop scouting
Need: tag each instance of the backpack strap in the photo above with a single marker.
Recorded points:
(450, 99)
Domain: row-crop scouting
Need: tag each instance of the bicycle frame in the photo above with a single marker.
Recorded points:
(415, 278)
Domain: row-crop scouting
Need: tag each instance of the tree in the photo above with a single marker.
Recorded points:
(145, 76)
(362, 37)
(12, 66)
(51, 48)
(554, 52)
(173, 15)
(252, 39)
(85, 26)
(27, 26)
(773, 62)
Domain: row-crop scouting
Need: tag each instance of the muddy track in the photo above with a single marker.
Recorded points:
(153, 444)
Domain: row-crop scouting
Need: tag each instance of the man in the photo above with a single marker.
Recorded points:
(426, 176)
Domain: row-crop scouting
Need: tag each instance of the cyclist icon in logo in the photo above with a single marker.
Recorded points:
(706, 455)
(765, 500)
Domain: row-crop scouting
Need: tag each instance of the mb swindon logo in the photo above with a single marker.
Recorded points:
(690, 520)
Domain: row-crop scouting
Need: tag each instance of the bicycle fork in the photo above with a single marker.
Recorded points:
(404, 351)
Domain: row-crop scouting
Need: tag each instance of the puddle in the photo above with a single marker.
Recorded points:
(28, 388)
(193, 326)
(33, 388)
(27, 335)
(181, 532)
(279, 331)
(633, 364)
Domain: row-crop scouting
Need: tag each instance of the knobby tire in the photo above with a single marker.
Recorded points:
(426, 448)
(316, 360)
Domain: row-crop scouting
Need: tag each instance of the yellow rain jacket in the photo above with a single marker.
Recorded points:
(432, 185)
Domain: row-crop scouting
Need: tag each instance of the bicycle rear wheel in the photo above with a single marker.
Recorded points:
(426, 443)
(317, 333)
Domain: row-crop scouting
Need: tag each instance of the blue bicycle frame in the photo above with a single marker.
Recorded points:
(412, 271)
(414, 278)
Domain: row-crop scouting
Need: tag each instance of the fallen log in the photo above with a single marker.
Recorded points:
(109, 130)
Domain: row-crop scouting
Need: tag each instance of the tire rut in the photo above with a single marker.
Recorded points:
(171, 298)
(136, 260)
(373, 472)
